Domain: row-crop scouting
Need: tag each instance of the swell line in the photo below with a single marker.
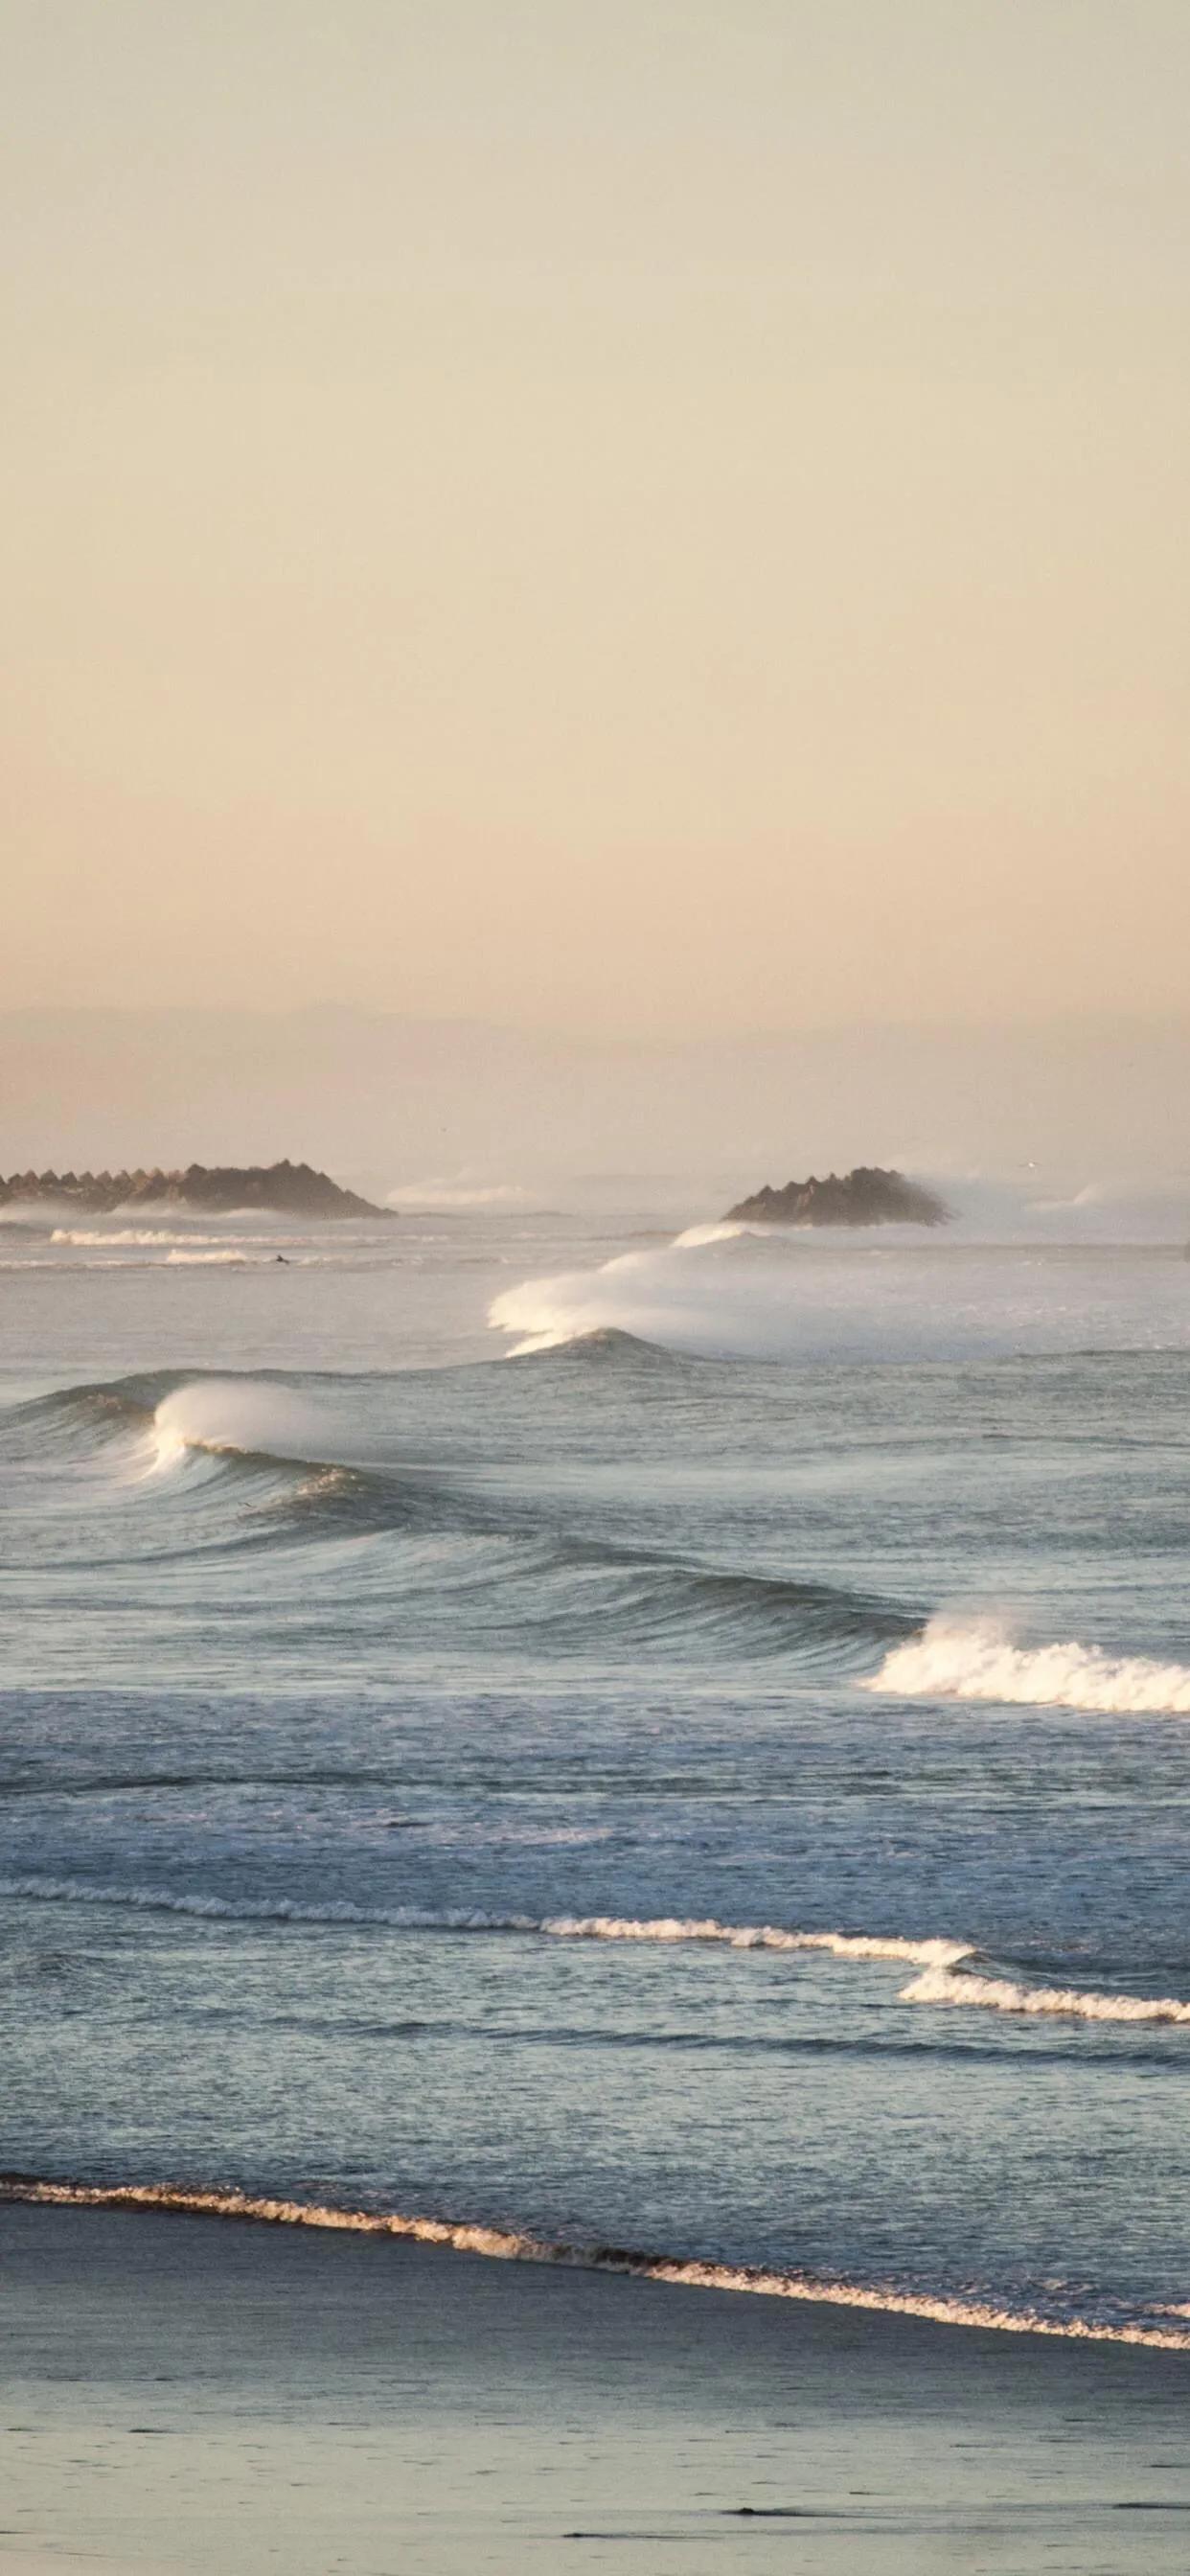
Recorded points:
(270, 1475)
(936, 1957)
(518, 2246)
(940, 1985)
(857, 1946)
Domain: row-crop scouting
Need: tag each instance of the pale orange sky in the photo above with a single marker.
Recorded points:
(627, 513)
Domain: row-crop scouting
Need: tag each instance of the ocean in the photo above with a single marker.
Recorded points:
(606, 1741)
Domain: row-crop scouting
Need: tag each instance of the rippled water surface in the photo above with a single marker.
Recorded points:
(451, 1671)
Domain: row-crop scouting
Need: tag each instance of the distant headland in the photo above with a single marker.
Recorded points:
(275, 1189)
(866, 1196)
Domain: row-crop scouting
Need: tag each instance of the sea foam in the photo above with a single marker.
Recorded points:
(855, 1946)
(224, 1414)
(120, 1238)
(877, 1294)
(516, 2245)
(941, 1985)
(418, 1197)
(937, 1957)
(975, 1659)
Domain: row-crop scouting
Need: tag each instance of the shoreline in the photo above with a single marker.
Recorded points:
(182, 2396)
(523, 2246)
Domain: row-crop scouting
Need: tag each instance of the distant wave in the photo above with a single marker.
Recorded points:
(975, 1659)
(155, 1238)
(721, 1230)
(856, 1946)
(736, 1292)
(605, 1345)
(517, 2245)
(140, 1256)
(159, 1238)
(940, 1985)
(229, 1253)
(434, 1195)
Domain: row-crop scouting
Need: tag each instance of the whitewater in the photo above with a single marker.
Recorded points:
(503, 2245)
(977, 1659)
(568, 1732)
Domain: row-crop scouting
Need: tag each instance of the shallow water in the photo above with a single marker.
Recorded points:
(338, 2403)
(416, 1759)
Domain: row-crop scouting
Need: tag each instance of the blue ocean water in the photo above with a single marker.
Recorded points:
(671, 1743)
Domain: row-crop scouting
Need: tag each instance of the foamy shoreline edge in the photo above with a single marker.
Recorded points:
(515, 2246)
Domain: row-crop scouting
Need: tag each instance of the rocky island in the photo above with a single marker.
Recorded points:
(866, 1196)
(274, 1189)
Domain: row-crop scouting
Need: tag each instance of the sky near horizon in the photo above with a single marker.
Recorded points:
(641, 515)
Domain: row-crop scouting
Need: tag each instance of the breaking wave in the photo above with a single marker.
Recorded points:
(941, 1985)
(856, 1946)
(944, 1980)
(227, 1253)
(518, 2245)
(281, 1467)
(120, 1238)
(188, 1250)
(976, 1660)
(430, 1196)
(228, 1416)
(738, 1292)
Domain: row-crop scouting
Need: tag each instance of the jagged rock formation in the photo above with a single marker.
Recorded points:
(866, 1196)
(280, 1189)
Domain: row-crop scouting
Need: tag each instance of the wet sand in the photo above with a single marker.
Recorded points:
(186, 2394)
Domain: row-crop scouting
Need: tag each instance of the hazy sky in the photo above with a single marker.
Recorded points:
(657, 515)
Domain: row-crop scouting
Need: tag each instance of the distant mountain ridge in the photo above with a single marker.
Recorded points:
(866, 1196)
(280, 1189)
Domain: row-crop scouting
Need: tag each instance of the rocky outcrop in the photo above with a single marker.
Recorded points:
(866, 1196)
(275, 1189)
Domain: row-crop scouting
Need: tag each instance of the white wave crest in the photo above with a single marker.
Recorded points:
(857, 1946)
(936, 1957)
(725, 1231)
(516, 2245)
(126, 1236)
(941, 1985)
(226, 1414)
(731, 1291)
(753, 1936)
(976, 1659)
(194, 1260)
(431, 1195)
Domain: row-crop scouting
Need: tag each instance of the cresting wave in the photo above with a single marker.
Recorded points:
(754, 1936)
(429, 1197)
(939, 1985)
(858, 1946)
(735, 1292)
(119, 1238)
(509, 2245)
(975, 1659)
(235, 1418)
(938, 1958)
(284, 1463)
